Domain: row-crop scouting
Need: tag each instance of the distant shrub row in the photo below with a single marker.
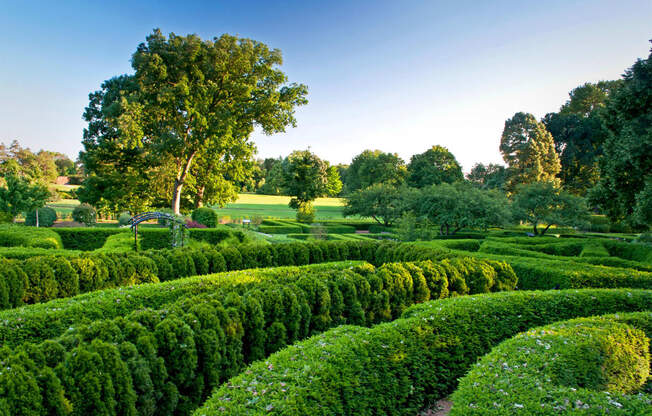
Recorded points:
(588, 366)
(19, 236)
(167, 361)
(402, 366)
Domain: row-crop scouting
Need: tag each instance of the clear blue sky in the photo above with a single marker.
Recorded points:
(399, 76)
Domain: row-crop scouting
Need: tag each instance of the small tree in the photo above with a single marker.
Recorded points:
(306, 178)
(383, 202)
(461, 205)
(19, 195)
(436, 165)
(543, 203)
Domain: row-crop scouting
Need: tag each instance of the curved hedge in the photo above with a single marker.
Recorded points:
(400, 367)
(167, 361)
(583, 366)
(12, 235)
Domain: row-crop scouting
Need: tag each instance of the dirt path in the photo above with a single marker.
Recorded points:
(441, 408)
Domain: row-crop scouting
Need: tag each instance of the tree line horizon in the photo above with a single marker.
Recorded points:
(177, 132)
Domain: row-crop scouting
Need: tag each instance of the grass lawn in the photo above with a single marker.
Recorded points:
(253, 205)
(64, 207)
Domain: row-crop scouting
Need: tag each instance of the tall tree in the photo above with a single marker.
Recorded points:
(529, 151)
(305, 178)
(626, 164)
(373, 166)
(436, 165)
(589, 97)
(20, 196)
(383, 202)
(491, 176)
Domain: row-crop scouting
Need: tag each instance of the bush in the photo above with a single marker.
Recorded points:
(645, 237)
(46, 217)
(401, 366)
(124, 218)
(279, 229)
(306, 213)
(206, 216)
(594, 363)
(6, 217)
(85, 239)
(205, 337)
(594, 249)
(85, 214)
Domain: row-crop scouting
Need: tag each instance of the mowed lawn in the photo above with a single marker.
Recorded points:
(253, 205)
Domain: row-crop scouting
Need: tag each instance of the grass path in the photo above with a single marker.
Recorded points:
(253, 205)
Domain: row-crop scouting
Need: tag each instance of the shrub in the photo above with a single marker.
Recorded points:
(593, 363)
(46, 217)
(194, 224)
(306, 213)
(20, 236)
(279, 229)
(6, 217)
(85, 214)
(645, 237)
(594, 249)
(401, 366)
(206, 216)
(85, 239)
(124, 218)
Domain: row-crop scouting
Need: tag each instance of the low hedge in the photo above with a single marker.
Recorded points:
(594, 249)
(279, 229)
(402, 366)
(12, 235)
(583, 366)
(166, 361)
(23, 253)
(85, 239)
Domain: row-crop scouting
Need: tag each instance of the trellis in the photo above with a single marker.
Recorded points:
(175, 225)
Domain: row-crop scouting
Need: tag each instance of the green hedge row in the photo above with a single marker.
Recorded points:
(402, 366)
(279, 229)
(583, 366)
(85, 239)
(20, 236)
(167, 361)
(160, 238)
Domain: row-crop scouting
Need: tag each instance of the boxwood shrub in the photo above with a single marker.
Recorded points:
(206, 216)
(402, 366)
(583, 366)
(46, 217)
(85, 239)
(166, 361)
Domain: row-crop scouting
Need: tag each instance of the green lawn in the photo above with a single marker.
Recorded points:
(253, 205)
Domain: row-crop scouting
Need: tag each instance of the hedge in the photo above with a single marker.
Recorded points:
(402, 366)
(12, 235)
(167, 361)
(46, 217)
(594, 249)
(85, 239)
(583, 366)
(279, 229)
(206, 216)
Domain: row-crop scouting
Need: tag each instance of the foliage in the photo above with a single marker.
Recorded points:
(491, 176)
(542, 203)
(273, 183)
(435, 166)
(85, 214)
(626, 167)
(529, 151)
(458, 206)
(590, 363)
(124, 218)
(40, 167)
(19, 195)
(374, 167)
(383, 202)
(183, 118)
(20, 236)
(402, 366)
(46, 217)
(306, 213)
(206, 216)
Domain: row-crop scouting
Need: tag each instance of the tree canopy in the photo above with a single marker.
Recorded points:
(432, 167)
(529, 151)
(20, 196)
(374, 166)
(491, 176)
(190, 104)
(626, 163)
(383, 202)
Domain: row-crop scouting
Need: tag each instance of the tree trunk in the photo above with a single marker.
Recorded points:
(199, 199)
(36, 217)
(178, 185)
(536, 232)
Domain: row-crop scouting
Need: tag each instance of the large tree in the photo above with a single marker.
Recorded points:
(589, 97)
(432, 167)
(191, 100)
(374, 166)
(490, 176)
(306, 177)
(18, 195)
(529, 151)
(626, 164)
(542, 203)
(383, 202)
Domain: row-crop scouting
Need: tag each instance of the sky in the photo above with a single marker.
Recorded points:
(399, 76)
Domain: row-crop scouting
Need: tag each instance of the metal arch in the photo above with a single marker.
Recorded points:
(146, 216)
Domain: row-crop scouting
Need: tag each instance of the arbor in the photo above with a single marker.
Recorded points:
(383, 202)
(529, 151)
(491, 176)
(189, 102)
(374, 166)
(436, 165)
(460, 205)
(542, 203)
(20, 196)
(626, 165)
(306, 178)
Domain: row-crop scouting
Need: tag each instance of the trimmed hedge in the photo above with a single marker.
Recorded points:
(206, 216)
(85, 239)
(583, 366)
(166, 361)
(594, 249)
(12, 235)
(402, 366)
(279, 229)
